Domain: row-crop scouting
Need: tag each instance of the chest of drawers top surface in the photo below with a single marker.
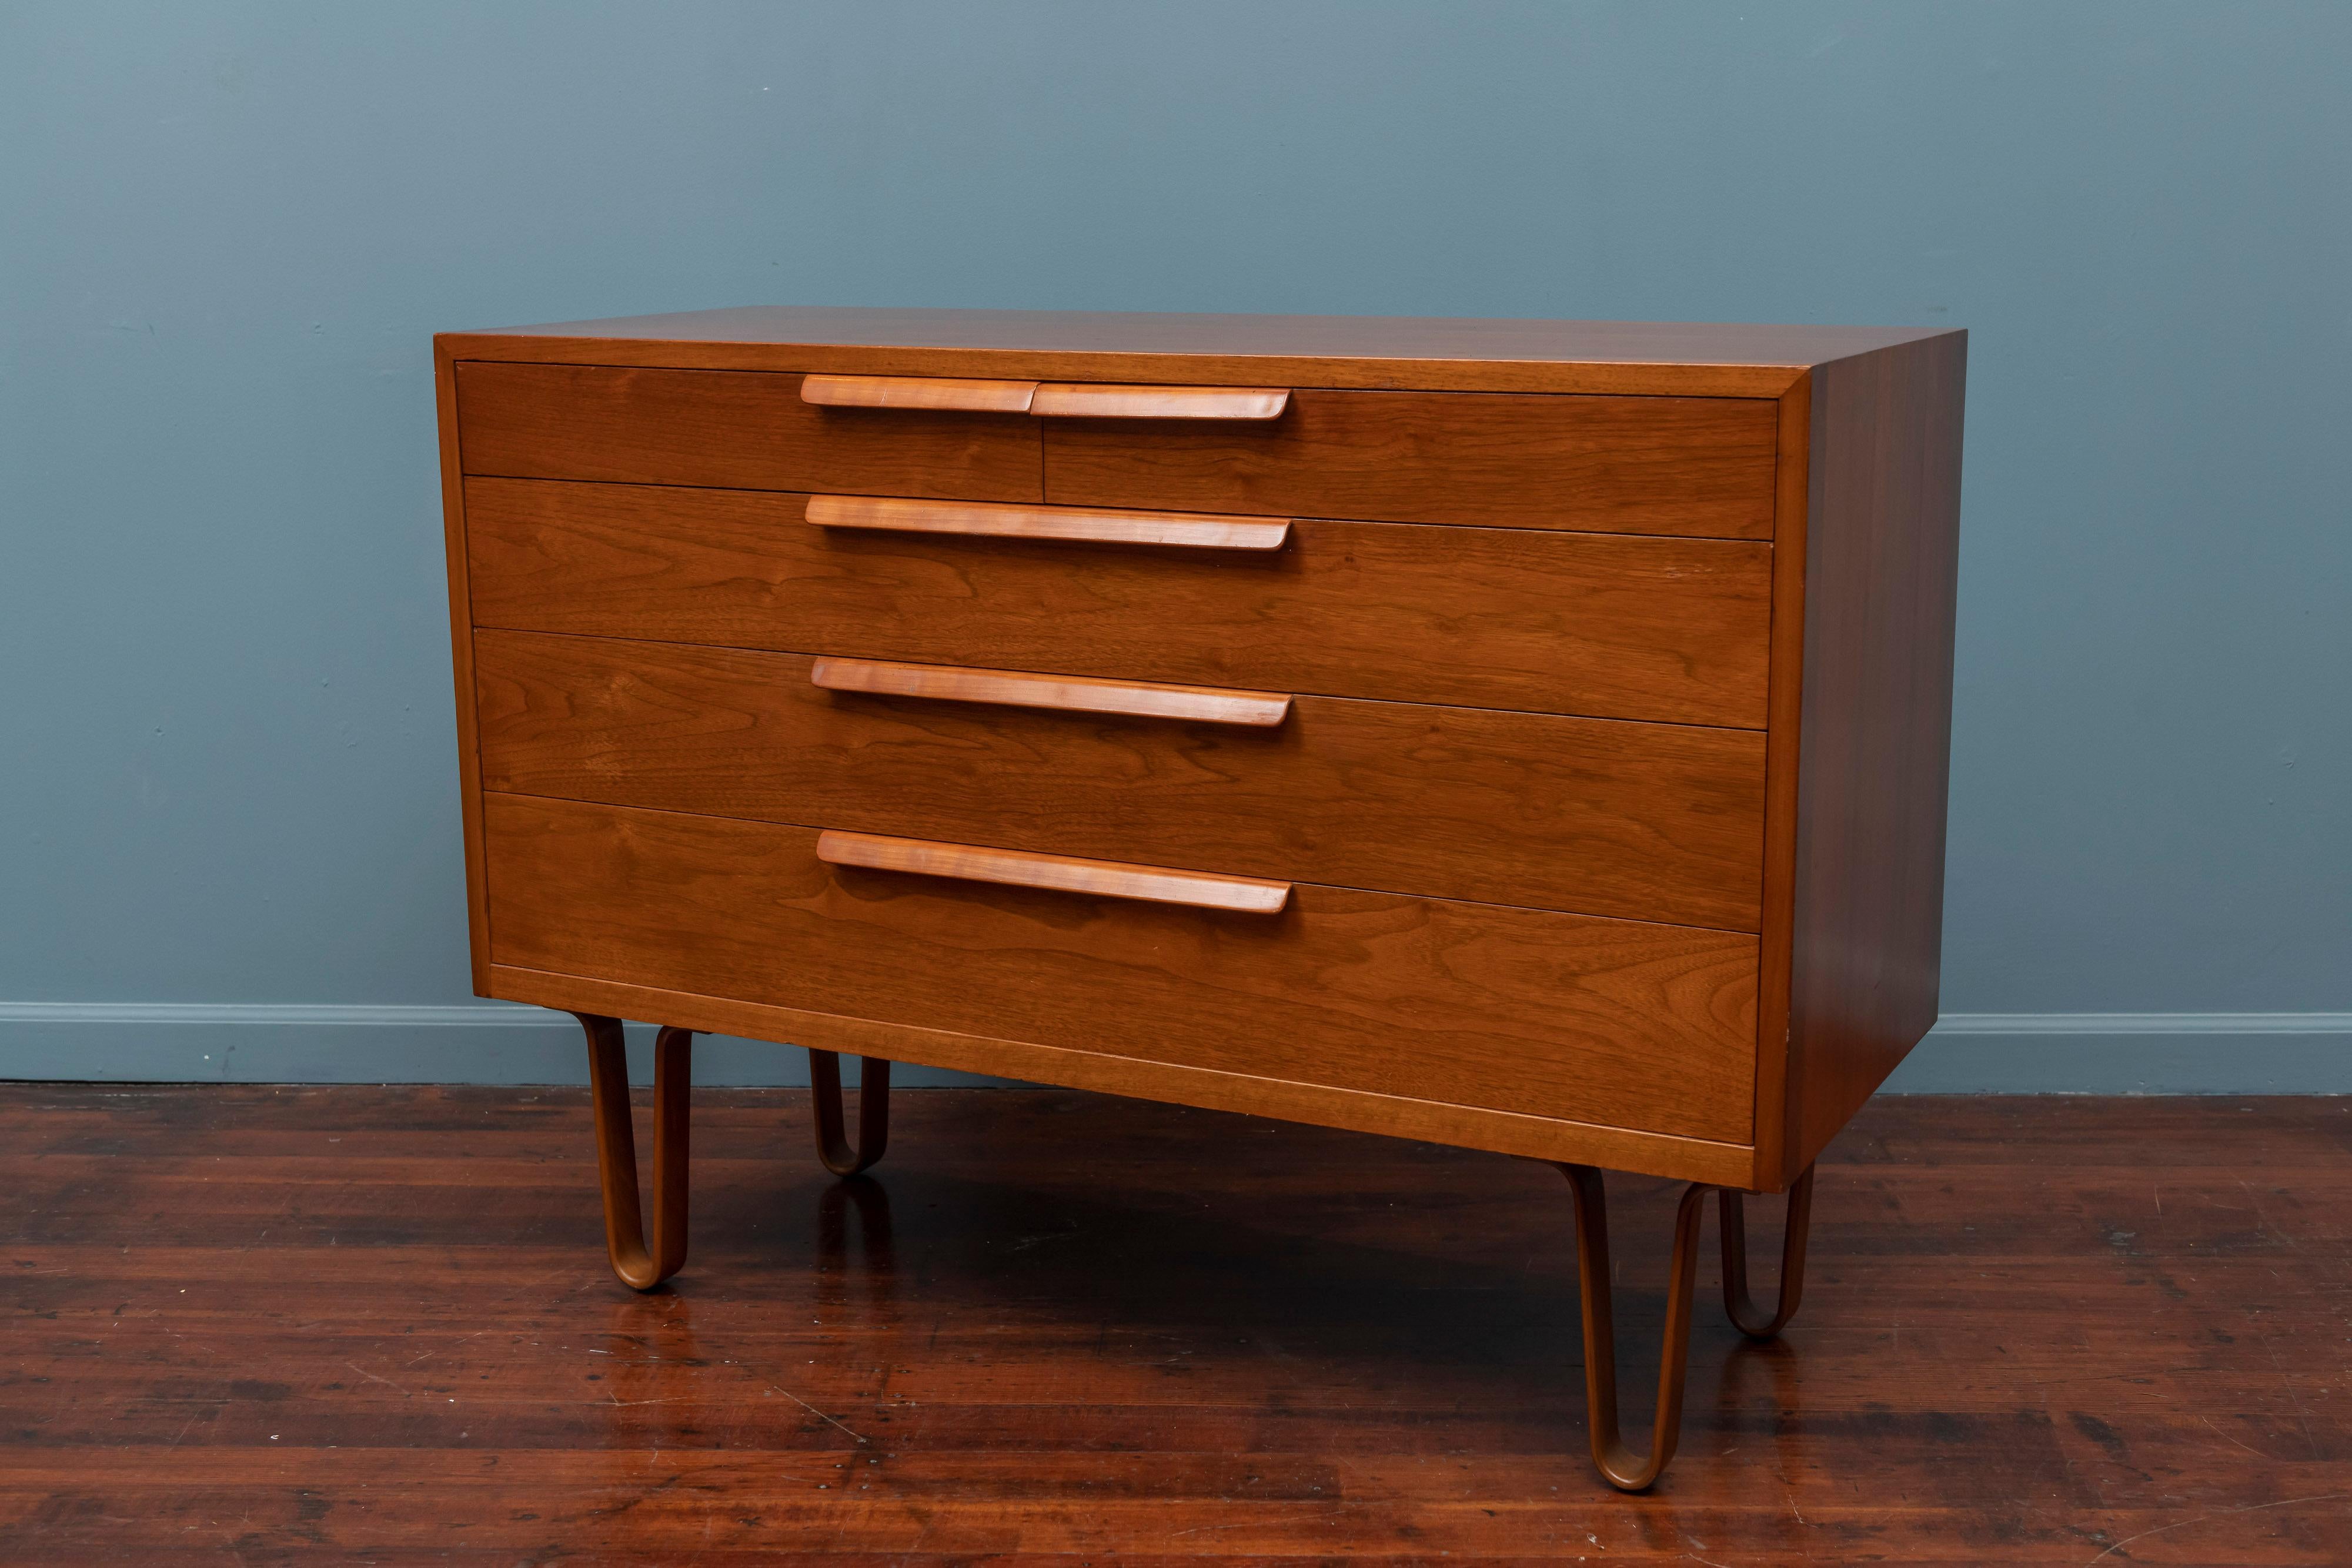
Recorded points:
(1539, 725)
(1651, 358)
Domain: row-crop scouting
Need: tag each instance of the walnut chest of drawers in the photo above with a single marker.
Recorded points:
(1525, 734)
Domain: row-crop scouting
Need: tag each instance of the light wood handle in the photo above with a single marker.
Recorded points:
(1081, 400)
(1074, 693)
(991, 519)
(917, 391)
(1018, 868)
(1074, 400)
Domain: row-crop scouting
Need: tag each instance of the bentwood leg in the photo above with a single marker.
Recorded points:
(1736, 1301)
(873, 1111)
(640, 1268)
(1624, 1469)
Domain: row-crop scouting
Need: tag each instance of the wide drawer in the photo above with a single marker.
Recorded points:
(1696, 466)
(1672, 630)
(1641, 821)
(747, 429)
(1611, 1022)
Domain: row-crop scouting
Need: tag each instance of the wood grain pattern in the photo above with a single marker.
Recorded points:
(1629, 628)
(1209, 1089)
(370, 1323)
(1882, 537)
(1091, 400)
(917, 391)
(1691, 466)
(1059, 873)
(1064, 694)
(1645, 1027)
(461, 663)
(732, 429)
(1089, 525)
(1634, 358)
(1640, 822)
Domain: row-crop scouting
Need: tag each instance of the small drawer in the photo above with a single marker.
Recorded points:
(1610, 1022)
(742, 429)
(1643, 821)
(1691, 466)
(1671, 630)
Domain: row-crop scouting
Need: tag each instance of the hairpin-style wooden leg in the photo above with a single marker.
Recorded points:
(1625, 1470)
(1736, 1301)
(873, 1111)
(640, 1268)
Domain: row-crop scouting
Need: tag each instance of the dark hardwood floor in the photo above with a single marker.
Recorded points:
(257, 1325)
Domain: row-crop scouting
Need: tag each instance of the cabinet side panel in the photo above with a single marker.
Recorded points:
(1881, 558)
(461, 659)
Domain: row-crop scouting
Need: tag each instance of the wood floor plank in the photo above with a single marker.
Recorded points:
(266, 1325)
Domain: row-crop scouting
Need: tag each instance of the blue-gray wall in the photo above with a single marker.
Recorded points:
(229, 789)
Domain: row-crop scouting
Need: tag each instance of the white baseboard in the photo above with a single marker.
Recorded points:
(2131, 1053)
(299, 1042)
(498, 1042)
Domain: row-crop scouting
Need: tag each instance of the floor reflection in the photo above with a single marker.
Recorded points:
(874, 1277)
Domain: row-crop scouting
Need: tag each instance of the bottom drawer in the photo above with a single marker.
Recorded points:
(1613, 1023)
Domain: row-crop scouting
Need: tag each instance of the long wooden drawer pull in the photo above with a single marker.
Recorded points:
(1075, 694)
(1065, 874)
(1082, 400)
(917, 391)
(993, 520)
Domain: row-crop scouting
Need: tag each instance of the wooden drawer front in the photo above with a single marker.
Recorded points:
(742, 429)
(1613, 1023)
(1699, 466)
(1671, 630)
(1644, 821)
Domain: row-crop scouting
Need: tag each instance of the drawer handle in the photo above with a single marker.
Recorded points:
(989, 520)
(1065, 874)
(917, 391)
(1083, 400)
(1073, 400)
(1074, 693)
